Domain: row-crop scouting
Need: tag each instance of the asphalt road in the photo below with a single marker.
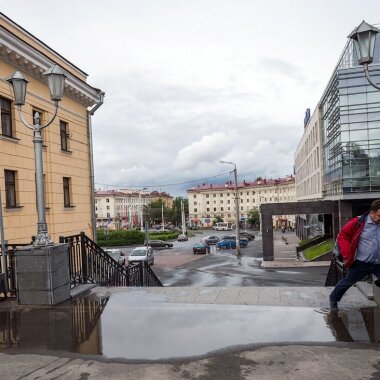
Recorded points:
(178, 266)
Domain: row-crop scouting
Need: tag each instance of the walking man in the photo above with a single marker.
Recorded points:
(359, 245)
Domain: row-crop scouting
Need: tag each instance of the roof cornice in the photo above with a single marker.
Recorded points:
(21, 55)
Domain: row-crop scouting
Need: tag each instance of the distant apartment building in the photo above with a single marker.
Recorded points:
(123, 208)
(347, 135)
(308, 162)
(67, 147)
(210, 200)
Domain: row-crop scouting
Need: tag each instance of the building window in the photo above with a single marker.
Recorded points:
(241, 208)
(195, 195)
(195, 210)
(107, 200)
(207, 209)
(221, 194)
(6, 117)
(214, 195)
(10, 188)
(247, 200)
(64, 135)
(66, 191)
(228, 194)
(207, 195)
(229, 202)
(221, 209)
(214, 208)
(221, 201)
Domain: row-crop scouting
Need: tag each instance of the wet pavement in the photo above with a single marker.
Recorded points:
(177, 323)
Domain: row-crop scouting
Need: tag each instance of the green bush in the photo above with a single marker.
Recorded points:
(163, 235)
(119, 237)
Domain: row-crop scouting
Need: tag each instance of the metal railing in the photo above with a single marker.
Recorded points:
(89, 263)
(11, 287)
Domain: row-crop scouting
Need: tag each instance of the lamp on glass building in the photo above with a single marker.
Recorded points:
(237, 206)
(363, 38)
(56, 83)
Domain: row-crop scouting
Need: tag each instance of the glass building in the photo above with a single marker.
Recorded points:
(350, 114)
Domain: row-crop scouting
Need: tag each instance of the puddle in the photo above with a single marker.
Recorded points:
(132, 326)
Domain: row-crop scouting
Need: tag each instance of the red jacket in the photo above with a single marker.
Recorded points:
(348, 238)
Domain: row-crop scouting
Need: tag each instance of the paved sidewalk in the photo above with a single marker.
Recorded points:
(312, 297)
(296, 342)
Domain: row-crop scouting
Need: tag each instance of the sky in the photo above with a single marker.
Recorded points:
(191, 82)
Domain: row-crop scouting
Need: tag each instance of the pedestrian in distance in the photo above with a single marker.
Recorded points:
(359, 246)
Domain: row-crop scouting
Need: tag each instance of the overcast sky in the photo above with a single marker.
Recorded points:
(191, 82)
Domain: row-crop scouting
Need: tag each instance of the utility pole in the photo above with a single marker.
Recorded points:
(183, 217)
(162, 215)
(237, 205)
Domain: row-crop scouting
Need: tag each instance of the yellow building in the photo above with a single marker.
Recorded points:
(67, 147)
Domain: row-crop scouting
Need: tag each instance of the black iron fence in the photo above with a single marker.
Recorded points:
(8, 286)
(89, 263)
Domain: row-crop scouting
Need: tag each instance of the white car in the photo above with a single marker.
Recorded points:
(141, 254)
(117, 255)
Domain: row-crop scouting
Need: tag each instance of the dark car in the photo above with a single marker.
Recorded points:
(247, 235)
(160, 244)
(233, 237)
(201, 248)
(211, 239)
(230, 244)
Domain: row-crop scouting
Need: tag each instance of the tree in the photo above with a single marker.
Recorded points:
(254, 217)
(217, 219)
(176, 210)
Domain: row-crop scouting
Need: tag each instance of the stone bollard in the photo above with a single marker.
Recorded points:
(42, 274)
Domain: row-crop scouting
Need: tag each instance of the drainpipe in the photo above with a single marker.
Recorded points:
(2, 241)
(92, 182)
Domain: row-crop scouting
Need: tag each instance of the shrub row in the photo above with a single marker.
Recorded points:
(131, 237)
(121, 237)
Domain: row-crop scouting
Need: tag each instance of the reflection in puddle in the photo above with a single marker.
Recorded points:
(134, 326)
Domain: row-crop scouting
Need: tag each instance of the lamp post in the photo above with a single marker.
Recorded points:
(141, 210)
(56, 82)
(237, 205)
(363, 38)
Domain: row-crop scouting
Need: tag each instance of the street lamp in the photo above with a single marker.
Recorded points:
(141, 210)
(237, 205)
(363, 38)
(56, 82)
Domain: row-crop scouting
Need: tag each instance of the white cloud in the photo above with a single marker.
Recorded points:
(190, 82)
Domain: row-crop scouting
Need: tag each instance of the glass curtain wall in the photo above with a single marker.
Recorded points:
(350, 110)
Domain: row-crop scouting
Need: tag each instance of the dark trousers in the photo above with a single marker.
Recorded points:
(356, 272)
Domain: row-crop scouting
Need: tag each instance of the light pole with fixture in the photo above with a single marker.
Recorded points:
(56, 82)
(237, 205)
(141, 210)
(363, 38)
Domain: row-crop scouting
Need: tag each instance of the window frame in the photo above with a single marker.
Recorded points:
(64, 135)
(10, 189)
(3, 111)
(67, 193)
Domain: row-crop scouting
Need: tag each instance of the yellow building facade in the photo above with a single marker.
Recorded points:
(67, 147)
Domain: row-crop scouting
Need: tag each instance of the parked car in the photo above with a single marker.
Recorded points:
(182, 237)
(139, 254)
(201, 248)
(247, 235)
(117, 255)
(211, 239)
(159, 244)
(230, 244)
(233, 237)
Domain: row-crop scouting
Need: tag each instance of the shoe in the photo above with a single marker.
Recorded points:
(333, 305)
(377, 282)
